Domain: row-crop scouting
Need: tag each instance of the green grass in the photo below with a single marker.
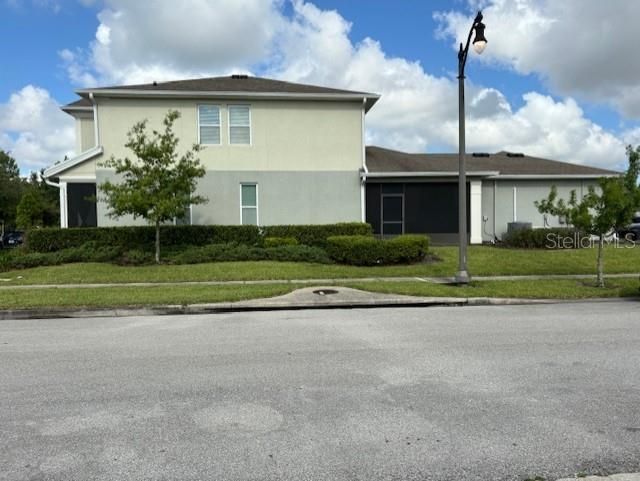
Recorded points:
(135, 296)
(132, 296)
(483, 260)
(525, 289)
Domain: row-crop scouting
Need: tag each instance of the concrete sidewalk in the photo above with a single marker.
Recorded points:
(330, 281)
(326, 297)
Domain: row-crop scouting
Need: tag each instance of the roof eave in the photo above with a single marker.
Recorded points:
(552, 176)
(56, 170)
(371, 99)
(486, 173)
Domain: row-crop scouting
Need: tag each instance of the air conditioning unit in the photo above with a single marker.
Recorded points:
(514, 226)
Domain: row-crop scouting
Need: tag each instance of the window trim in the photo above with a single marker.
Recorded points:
(175, 219)
(250, 144)
(205, 125)
(256, 207)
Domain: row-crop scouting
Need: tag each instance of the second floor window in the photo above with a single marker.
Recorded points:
(239, 125)
(209, 124)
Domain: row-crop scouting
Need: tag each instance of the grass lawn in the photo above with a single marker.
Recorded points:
(483, 260)
(526, 289)
(130, 296)
(135, 296)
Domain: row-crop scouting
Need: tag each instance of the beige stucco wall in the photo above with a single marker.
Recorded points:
(498, 202)
(85, 134)
(286, 135)
(85, 169)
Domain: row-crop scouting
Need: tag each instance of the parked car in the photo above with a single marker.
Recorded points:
(13, 239)
(632, 231)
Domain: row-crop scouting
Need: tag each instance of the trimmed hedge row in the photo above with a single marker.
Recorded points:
(367, 251)
(316, 235)
(553, 238)
(91, 252)
(280, 241)
(139, 237)
(239, 252)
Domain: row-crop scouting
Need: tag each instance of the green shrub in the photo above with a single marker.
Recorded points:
(135, 257)
(140, 237)
(367, 250)
(90, 252)
(240, 252)
(280, 241)
(316, 235)
(553, 238)
(406, 249)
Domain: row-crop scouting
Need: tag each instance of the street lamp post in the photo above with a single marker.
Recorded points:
(479, 43)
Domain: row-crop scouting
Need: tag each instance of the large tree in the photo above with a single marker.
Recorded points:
(603, 210)
(11, 188)
(158, 185)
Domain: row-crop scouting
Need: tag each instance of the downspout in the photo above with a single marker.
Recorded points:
(96, 130)
(495, 188)
(62, 186)
(365, 171)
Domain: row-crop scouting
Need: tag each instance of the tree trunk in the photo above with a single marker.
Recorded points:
(600, 275)
(157, 242)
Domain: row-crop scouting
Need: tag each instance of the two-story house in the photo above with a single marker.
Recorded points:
(284, 153)
(275, 152)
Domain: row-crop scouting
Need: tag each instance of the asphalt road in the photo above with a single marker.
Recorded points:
(472, 393)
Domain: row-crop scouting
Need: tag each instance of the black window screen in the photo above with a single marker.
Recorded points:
(81, 211)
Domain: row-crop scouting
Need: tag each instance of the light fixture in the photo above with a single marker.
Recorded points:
(479, 42)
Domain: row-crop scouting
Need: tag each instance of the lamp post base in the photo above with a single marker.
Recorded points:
(462, 277)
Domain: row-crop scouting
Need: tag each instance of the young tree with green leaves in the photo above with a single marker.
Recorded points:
(601, 211)
(30, 210)
(158, 185)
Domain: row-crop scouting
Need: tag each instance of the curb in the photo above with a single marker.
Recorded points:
(271, 305)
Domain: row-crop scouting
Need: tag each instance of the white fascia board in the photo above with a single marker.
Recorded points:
(370, 98)
(430, 174)
(55, 170)
(76, 109)
(551, 176)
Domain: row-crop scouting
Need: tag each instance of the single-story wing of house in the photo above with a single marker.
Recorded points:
(416, 193)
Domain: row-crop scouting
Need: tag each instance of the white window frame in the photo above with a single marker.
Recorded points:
(257, 206)
(175, 219)
(229, 125)
(206, 125)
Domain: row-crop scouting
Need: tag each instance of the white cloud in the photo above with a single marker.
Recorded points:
(138, 43)
(34, 129)
(418, 110)
(582, 48)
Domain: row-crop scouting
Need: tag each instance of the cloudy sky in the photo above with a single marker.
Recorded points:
(558, 79)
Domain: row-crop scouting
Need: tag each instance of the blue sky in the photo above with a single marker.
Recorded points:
(548, 101)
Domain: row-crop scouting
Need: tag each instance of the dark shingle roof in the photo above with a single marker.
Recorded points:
(80, 104)
(233, 83)
(380, 160)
